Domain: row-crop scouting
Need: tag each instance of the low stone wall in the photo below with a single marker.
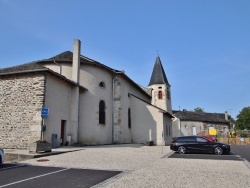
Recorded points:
(234, 141)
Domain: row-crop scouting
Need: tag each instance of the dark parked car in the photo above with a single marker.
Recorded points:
(210, 138)
(198, 144)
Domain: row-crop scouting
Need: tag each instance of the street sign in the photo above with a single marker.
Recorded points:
(45, 113)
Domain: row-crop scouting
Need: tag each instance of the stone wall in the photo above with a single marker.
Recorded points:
(21, 100)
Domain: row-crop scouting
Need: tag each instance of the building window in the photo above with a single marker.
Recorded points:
(102, 112)
(160, 95)
(129, 118)
(102, 84)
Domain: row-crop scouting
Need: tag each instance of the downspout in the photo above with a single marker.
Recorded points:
(60, 66)
(44, 95)
(78, 127)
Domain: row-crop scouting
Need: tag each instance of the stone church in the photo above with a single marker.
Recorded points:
(88, 103)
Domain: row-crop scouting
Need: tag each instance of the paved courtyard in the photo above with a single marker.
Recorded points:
(149, 166)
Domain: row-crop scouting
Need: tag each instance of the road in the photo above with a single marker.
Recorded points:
(242, 150)
(130, 166)
(238, 153)
(14, 175)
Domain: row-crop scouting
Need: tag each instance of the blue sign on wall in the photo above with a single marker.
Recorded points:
(45, 113)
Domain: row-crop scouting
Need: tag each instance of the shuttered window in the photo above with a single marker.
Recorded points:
(160, 95)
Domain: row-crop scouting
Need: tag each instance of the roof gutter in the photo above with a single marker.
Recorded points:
(42, 70)
(27, 71)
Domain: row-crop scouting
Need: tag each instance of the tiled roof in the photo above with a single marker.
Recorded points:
(158, 75)
(23, 68)
(66, 56)
(201, 116)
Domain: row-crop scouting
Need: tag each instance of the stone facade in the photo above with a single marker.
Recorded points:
(117, 111)
(21, 100)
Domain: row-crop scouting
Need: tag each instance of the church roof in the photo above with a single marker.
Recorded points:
(66, 57)
(158, 76)
(201, 116)
(23, 68)
(35, 67)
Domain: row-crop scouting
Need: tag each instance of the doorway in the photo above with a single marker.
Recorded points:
(194, 130)
(62, 137)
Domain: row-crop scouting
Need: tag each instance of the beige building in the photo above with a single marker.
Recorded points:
(88, 103)
(187, 123)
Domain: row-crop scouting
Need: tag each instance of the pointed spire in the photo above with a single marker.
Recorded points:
(158, 75)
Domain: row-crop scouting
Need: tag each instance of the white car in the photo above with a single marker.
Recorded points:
(1, 155)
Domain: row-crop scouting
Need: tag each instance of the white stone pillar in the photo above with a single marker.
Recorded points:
(74, 128)
(76, 61)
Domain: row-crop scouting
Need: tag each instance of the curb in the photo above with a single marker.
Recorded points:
(16, 157)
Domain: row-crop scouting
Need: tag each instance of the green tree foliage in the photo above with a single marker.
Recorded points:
(243, 119)
(198, 109)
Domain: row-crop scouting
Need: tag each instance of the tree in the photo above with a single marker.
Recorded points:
(243, 119)
(198, 109)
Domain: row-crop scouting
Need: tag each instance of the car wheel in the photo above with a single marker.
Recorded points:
(181, 149)
(218, 151)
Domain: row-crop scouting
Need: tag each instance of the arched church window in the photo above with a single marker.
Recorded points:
(129, 118)
(160, 95)
(102, 112)
(102, 84)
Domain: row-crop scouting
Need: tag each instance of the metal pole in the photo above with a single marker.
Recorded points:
(42, 135)
(162, 143)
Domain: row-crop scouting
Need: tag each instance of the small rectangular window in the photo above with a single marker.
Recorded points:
(160, 95)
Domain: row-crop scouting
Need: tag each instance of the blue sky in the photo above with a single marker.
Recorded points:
(204, 45)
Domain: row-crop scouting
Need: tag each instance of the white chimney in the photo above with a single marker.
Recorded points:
(76, 61)
(226, 115)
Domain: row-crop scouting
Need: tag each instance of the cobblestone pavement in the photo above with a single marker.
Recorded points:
(149, 166)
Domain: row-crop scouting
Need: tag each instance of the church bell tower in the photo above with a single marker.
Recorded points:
(161, 93)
